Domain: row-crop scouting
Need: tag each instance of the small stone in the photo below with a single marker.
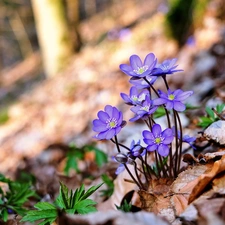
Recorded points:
(216, 132)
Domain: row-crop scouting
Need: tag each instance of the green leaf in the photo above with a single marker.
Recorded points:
(205, 121)
(91, 190)
(4, 214)
(76, 202)
(189, 106)
(220, 107)
(159, 112)
(110, 186)
(82, 206)
(4, 179)
(45, 211)
(63, 200)
(88, 209)
(44, 206)
(210, 112)
(71, 163)
(125, 207)
(19, 193)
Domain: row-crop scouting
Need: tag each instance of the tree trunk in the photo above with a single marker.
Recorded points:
(53, 34)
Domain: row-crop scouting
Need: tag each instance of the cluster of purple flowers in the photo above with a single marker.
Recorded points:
(144, 101)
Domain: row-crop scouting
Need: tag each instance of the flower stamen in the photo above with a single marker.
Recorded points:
(141, 70)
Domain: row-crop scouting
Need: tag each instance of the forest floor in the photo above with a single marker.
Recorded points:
(58, 111)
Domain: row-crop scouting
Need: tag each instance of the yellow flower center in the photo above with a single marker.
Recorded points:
(134, 98)
(171, 97)
(111, 123)
(141, 70)
(145, 108)
(158, 140)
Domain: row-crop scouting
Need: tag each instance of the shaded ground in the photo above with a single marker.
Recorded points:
(60, 110)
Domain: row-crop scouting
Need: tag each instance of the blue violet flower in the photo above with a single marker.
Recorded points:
(158, 140)
(138, 69)
(144, 110)
(109, 123)
(166, 67)
(136, 97)
(173, 99)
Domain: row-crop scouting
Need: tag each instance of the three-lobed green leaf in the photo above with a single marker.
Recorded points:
(205, 121)
(71, 202)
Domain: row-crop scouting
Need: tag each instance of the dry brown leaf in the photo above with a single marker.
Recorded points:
(206, 178)
(183, 186)
(219, 184)
(208, 209)
(156, 199)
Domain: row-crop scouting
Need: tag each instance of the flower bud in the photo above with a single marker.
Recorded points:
(121, 158)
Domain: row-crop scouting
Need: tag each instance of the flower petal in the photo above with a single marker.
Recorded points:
(159, 101)
(169, 105)
(110, 134)
(168, 140)
(178, 106)
(125, 97)
(147, 134)
(103, 116)
(126, 68)
(135, 62)
(148, 141)
(99, 126)
(149, 59)
(152, 148)
(117, 130)
(156, 130)
(109, 110)
(102, 135)
(116, 113)
(184, 95)
(133, 91)
(120, 169)
(163, 150)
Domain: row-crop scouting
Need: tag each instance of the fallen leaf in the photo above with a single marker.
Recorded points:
(204, 179)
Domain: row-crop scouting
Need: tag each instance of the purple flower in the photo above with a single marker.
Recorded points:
(166, 67)
(136, 149)
(158, 140)
(141, 83)
(186, 138)
(143, 110)
(109, 123)
(135, 97)
(138, 69)
(189, 140)
(122, 159)
(173, 99)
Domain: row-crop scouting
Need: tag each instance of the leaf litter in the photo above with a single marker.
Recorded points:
(199, 187)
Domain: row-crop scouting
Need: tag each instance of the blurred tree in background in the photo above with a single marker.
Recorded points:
(53, 34)
(180, 19)
(183, 18)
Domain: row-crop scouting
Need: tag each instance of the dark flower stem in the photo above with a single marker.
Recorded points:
(120, 145)
(137, 175)
(157, 164)
(169, 125)
(165, 81)
(177, 145)
(144, 169)
(163, 166)
(149, 169)
(133, 178)
(151, 86)
(181, 138)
